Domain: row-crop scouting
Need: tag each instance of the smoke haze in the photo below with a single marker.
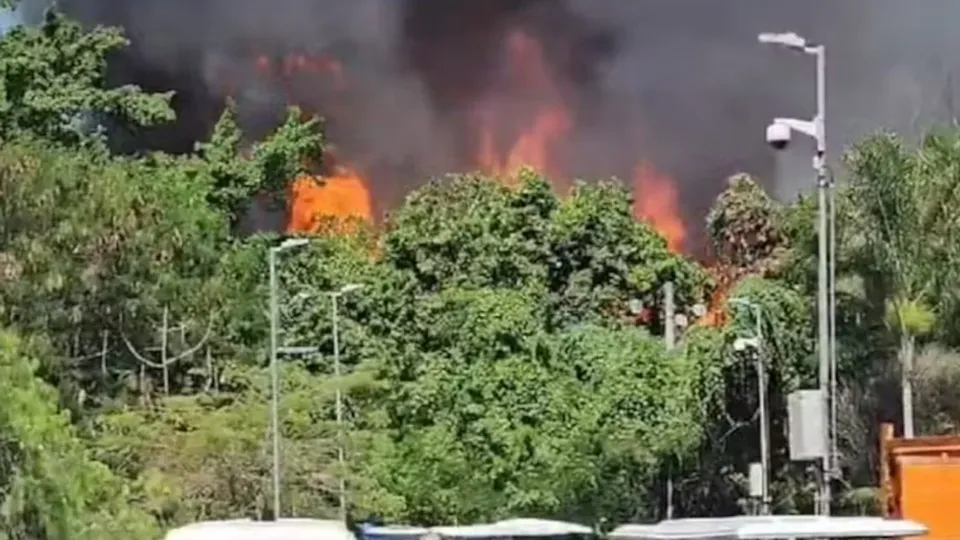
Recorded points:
(682, 83)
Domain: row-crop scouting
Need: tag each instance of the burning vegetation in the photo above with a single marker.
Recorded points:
(525, 122)
(493, 87)
(745, 239)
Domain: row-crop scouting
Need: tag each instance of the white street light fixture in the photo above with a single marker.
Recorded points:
(298, 351)
(291, 243)
(742, 344)
(787, 39)
(302, 296)
(349, 288)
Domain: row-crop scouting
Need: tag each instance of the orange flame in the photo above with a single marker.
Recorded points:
(716, 314)
(655, 201)
(342, 196)
(536, 145)
(550, 122)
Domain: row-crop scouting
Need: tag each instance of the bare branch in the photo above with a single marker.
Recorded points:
(160, 365)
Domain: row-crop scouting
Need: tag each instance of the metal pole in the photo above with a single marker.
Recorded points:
(339, 408)
(274, 381)
(823, 315)
(669, 316)
(670, 340)
(163, 351)
(834, 466)
(764, 424)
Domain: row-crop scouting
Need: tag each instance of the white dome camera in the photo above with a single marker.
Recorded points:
(778, 135)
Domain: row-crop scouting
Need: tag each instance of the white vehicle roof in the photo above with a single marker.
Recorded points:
(245, 529)
(394, 531)
(770, 528)
(500, 529)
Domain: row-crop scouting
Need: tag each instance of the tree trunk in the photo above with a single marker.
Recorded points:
(906, 380)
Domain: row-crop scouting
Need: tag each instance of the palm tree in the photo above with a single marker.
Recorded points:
(905, 216)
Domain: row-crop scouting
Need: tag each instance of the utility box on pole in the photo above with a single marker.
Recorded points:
(805, 415)
(755, 478)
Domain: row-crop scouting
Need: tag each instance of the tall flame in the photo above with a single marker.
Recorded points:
(655, 200)
(549, 121)
(716, 311)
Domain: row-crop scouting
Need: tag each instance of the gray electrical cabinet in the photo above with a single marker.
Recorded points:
(806, 416)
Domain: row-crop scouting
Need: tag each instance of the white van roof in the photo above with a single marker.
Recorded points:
(770, 528)
(501, 529)
(245, 529)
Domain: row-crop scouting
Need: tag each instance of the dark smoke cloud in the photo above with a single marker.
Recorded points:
(681, 82)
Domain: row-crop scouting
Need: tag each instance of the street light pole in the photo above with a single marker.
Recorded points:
(757, 343)
(274, 376)
(274, 384)
(826, 312)
(334, 299)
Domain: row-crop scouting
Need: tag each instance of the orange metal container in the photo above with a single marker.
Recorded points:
(920, 480)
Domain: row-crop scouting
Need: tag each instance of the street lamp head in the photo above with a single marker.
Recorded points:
(742, 344)
(291, 243)
(298, 351)
(302, 296)
(350, 288)
(786, 39)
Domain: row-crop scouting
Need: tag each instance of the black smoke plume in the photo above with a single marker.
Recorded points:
(683, 83)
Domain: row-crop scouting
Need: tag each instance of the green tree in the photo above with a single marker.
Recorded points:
(52, 83)
(88, 243)
(49, 485)
(483, 378)
(207, 456)
(907, 235)
(585, 251)
(746, 228)
(494, 416)
(93, 243)
(274, 162)
(713, 479)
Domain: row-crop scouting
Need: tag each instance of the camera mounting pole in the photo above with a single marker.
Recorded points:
(826, 292)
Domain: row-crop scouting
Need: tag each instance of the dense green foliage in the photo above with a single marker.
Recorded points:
(51, 486)
(495, 362)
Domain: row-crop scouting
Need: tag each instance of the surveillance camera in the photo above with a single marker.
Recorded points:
(680, 320)
(778, 136)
